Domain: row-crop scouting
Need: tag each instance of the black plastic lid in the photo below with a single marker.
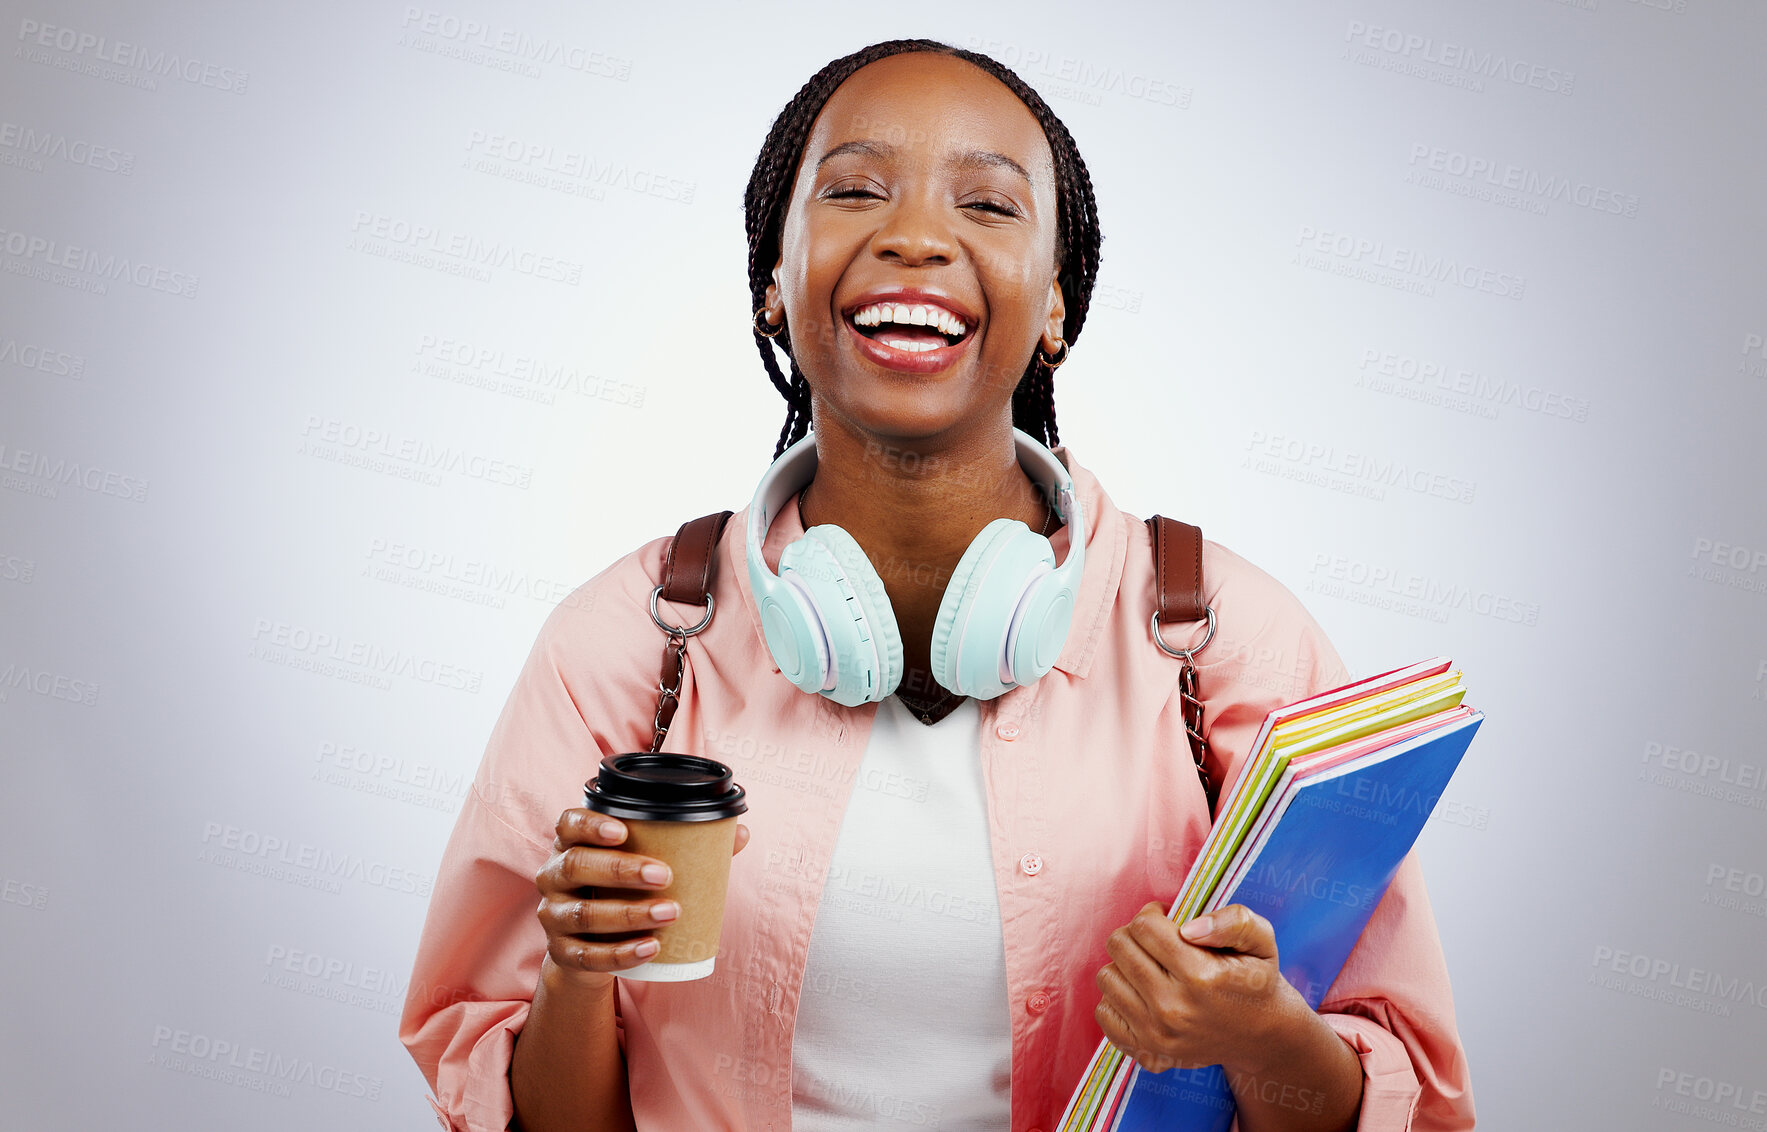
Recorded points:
(660, 786)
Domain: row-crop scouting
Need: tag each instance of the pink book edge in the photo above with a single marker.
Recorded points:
(1115, 1099)
(1368, 686)
(1318, 763)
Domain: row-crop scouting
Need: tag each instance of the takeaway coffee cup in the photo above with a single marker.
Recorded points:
(680, 809)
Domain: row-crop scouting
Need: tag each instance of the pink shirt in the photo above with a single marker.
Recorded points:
(1094, 810)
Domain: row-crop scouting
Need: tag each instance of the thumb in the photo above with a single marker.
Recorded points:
(1233, 928)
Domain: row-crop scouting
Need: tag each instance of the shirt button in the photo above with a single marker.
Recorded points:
(1037, 1003)
(1007, 731)
(1031, 863)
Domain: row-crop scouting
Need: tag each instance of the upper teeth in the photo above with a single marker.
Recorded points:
(919, 314)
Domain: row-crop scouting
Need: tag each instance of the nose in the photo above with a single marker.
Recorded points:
(915, 231)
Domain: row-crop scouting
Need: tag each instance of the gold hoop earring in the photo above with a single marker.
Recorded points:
(1053, 364)
(761, 324)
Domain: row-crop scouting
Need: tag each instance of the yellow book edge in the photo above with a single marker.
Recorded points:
(1307, 735)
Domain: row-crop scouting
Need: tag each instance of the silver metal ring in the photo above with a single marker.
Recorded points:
(1189, 653)
(676, 630)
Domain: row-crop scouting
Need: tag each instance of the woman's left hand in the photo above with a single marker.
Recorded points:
(1203, 993)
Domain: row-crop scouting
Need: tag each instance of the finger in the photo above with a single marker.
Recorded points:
(606, 917)
(1120, 1030)
(583, 867)
(1159, 937)
(1115, 1025)
(1161, 1003)
(586, 827)
(742, 838)
(583, 955)
(1233, 928)
(1117, 988)
(1141, 972)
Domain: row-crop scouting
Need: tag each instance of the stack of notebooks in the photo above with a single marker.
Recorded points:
(1332, 797)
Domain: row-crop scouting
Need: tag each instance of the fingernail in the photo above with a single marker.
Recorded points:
(655, 874)
(611, 831)
(1197, 928)
(665, 910)
(646, 949)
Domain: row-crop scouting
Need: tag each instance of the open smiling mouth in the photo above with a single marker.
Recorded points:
(915, 328)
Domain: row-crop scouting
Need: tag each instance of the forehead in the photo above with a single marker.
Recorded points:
(931, 105)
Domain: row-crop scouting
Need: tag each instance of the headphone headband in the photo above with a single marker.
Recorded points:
(797, 465)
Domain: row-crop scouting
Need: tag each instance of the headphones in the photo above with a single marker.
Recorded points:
(1001, 623)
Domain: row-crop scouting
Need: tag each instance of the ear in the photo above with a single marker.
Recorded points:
(1058, 313)
(772, 304)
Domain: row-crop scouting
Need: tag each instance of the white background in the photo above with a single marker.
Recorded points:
(284, 509)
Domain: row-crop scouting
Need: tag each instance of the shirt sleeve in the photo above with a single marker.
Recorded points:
(476, 967)
(1392, 1002)
(580, 695)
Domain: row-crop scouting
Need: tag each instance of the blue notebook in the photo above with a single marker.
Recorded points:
(1315, 873)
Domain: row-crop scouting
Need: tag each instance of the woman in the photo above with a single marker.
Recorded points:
(939, 910)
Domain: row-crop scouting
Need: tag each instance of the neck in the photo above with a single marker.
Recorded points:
(915, 506)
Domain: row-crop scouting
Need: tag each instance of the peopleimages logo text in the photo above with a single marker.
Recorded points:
(202, 1055)
(464, 247)
(280, 635)
(47, 252)
(1520, 178)
(1459, 57)
(251, 843)
(1360, 466)
(342, 434)
(515, 43)
(75, 151)
(1405, 261)
(131, 56)
(57, 470)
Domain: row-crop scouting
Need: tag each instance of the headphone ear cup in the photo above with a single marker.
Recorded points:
(976, 616)
(1040, 627)
(795, 635)
(863, 642)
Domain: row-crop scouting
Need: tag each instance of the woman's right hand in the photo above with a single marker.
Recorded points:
(598, 903)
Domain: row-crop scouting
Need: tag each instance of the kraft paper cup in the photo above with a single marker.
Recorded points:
(680, 809)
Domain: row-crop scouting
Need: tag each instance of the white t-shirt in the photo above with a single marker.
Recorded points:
(903, 1020)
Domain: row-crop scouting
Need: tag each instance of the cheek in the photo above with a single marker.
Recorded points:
(791, 272)
(1019, 297)
(798, 241)
(810, 268)
(1017, 279)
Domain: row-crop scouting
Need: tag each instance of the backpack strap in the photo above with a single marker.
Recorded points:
(688, 572)
(1178, 596)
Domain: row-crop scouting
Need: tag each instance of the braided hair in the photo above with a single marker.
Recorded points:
(769, 189)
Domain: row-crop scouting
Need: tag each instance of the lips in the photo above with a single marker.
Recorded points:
(908, 330)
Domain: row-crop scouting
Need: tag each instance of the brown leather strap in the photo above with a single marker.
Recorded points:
(688, 571)
(692, 561)
(1178, 581)
(1178, 570)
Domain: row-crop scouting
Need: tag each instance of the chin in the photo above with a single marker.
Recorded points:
(904, 416)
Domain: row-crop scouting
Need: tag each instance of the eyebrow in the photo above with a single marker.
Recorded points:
(974, 159)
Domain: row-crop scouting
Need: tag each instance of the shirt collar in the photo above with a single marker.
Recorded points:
(1105, 545)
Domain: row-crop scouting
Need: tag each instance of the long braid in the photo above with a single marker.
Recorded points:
(1077, 235)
